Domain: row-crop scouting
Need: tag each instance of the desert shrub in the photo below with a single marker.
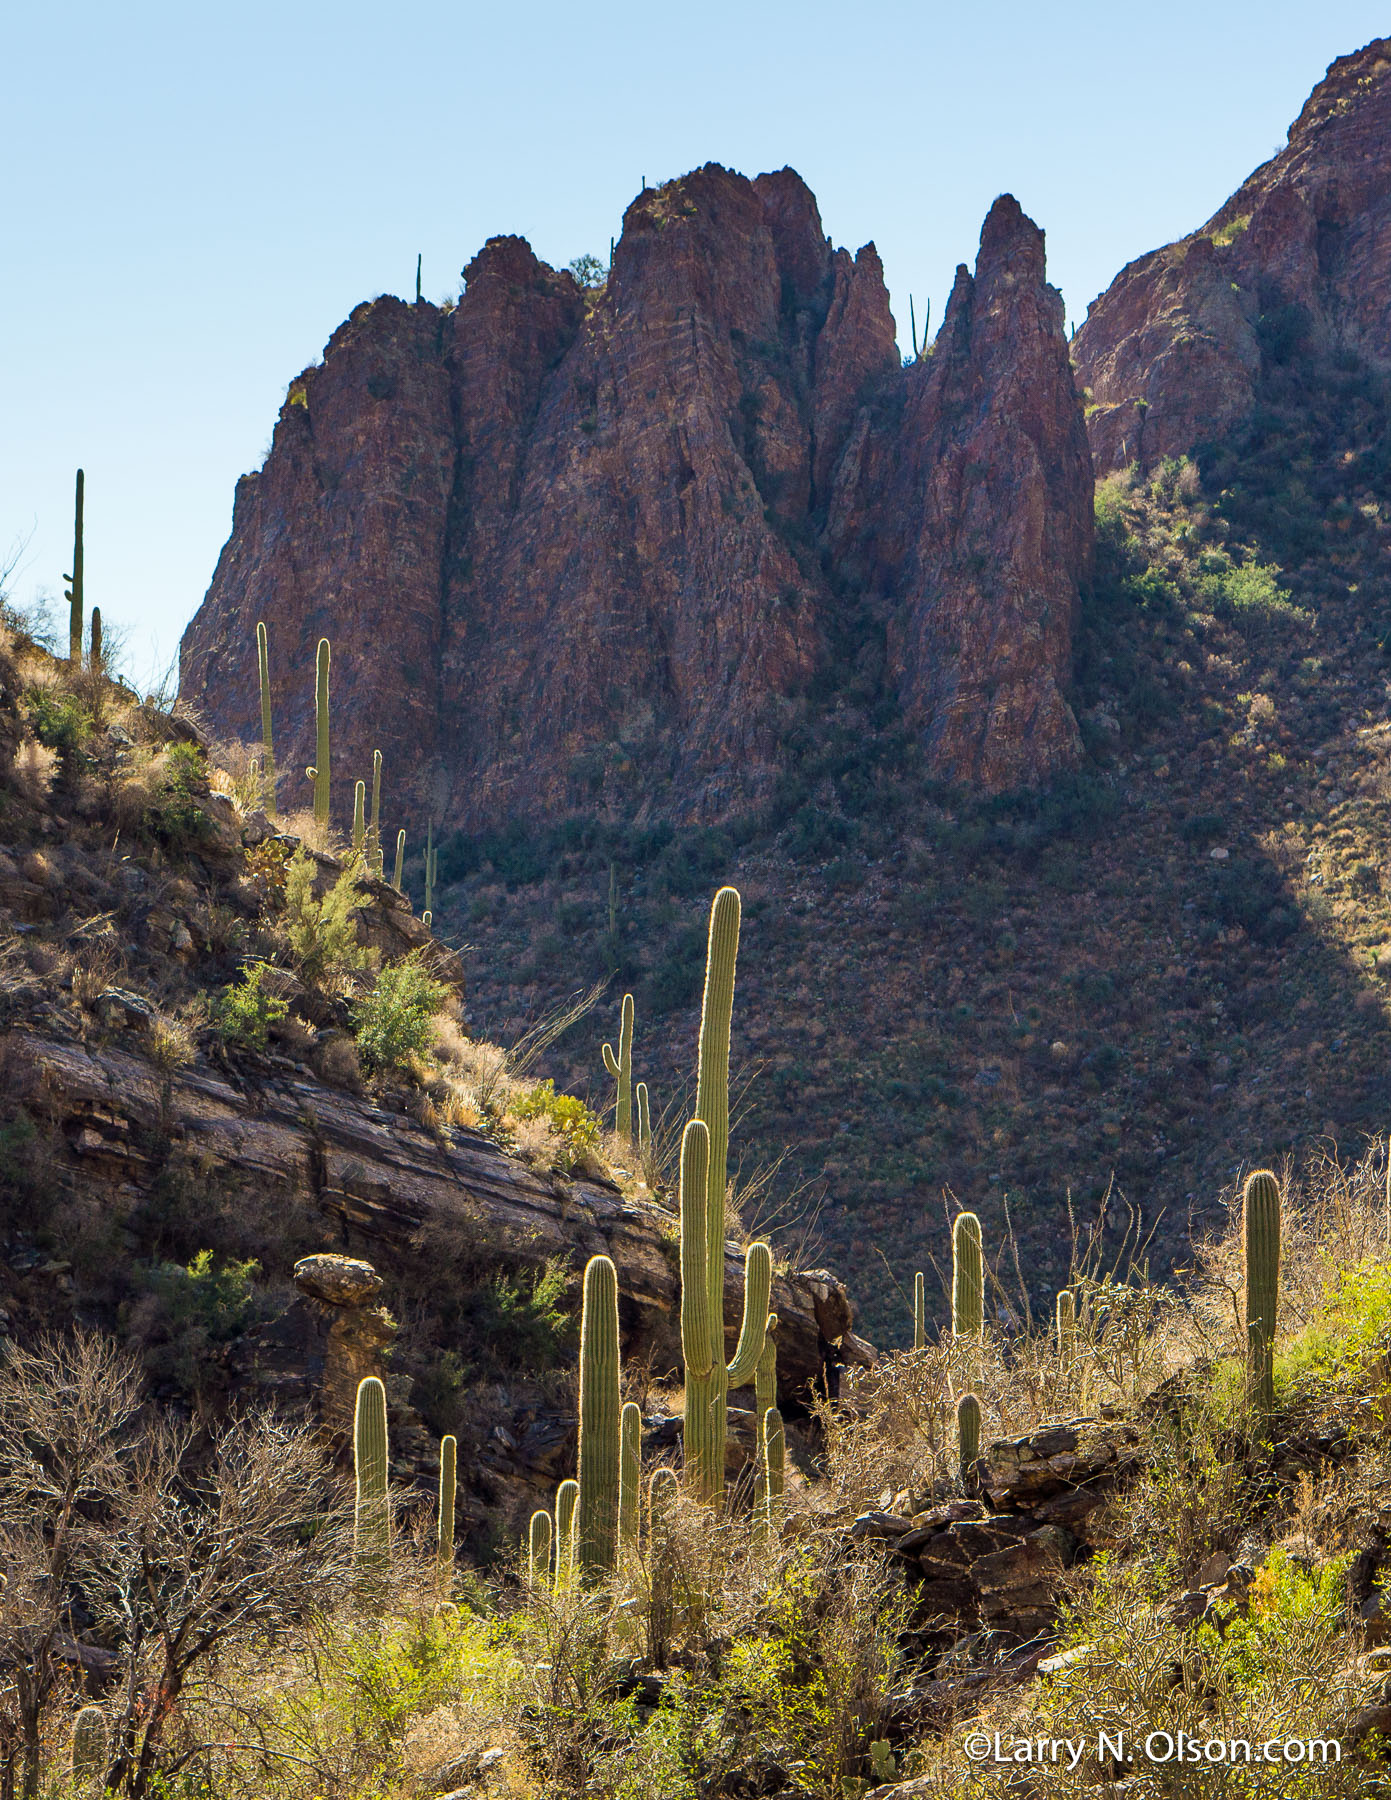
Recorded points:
(395, 1021)
(196, 1309)
(321, 933)
(568, 1117)
(173, 815)
(244, 1013)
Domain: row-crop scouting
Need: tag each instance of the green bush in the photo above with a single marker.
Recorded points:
(174, 816)
(568, 1117)
(392, 1023)
(60, 722)
(322, 933)
(243, 1014)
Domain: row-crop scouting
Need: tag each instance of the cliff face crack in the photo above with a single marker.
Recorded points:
(549, 512)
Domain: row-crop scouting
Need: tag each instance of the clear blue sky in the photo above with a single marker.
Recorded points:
(195, 196)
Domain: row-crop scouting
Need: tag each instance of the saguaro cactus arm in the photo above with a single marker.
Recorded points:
(758, 1285)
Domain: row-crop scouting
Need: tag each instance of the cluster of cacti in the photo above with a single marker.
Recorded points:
(1261, 1232)
(267, 747)
(444, 1533)
(73, 595)
(621, 1068)
(89, 1746)
(919, 1311)
(968, 1432)
(967, 1278)
(321, 772)
(704, 1157)
(372, 1511)
(596, 1528)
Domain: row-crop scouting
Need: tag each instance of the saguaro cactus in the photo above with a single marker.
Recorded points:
(1261, 1222)
(94, 653)
(359, 815)
(565, 1497)
(322, 770)
(1067, 1330)
(644, 1120)
(629, 1483)
(374, 829)
(538, 1550)
(621, 1068)
(765, 1391)
(967, 1284)
(704, 1157)
(267, 747)
(400, 859)
(596, 1531)
(968, 1432)
(429, 869)
(74, 593)
(444, 1535)
(919, 1311)
(89, 1745)
(372, 1513)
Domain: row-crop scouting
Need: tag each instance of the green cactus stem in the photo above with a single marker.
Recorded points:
(94, 653)
(89, 1747)
(444, 1533)
(322, 769)
(919, 1312)
(538, 1550)
(267, 746)
(73, 595)
(374, 828)
(372, 1513)
(398, 876)
(418, 261)
(1067, 1330)
(1261, 1232)
(566, 1496)
(621, 1068)
(429, 867)
(706, 1151)
(968, 1432)
(629, 1483)
(967, 1284)
(596, 1529)
(644, 1121)
(359, 816)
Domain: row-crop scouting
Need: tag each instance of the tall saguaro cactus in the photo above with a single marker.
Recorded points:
(1067, 1330)
(538, 1550)
(372, 1512)
(596, 1523)
(322, 770)
(95, 654)
(1261, 1231)
(400, 859)
(644, 1119)
(967, 1280)
(565, 1497)
(74, 593)
(374, 829)
(359, 816)
(919, 1311)
(444, 1535)
(629, 1483)
(621, 1068)
(704, 1159)
(267, 746)
(765, 1392)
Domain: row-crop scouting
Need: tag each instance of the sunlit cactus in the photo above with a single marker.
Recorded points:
(596, 1530)
(620, 1066)
(968, 1433)
(538, 1550)
(267, 744)
(967, 1281)
(566, 1496)
(1067, 1330)
(444, 1534)
(399, 873)
(629, 1483)
(374, 826)
(359, 816)
(322, 770)
(90, 1739)
(919, 1311)
(372, 1512)
(1261, 1233)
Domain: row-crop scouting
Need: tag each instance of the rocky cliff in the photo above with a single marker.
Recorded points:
(586, 547)
(1297, 262)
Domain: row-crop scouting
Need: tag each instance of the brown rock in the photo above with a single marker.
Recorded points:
(337, 1280)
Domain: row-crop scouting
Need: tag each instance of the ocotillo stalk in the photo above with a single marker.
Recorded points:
(89, 1743)
(374, 837)
(565, 1497)
(596, 1527)
(919, 1311)
(1067, 1330)
(538, 1550)
(322, 770)
(74, 594)
(967, 1284)
(1261, 1209)
(629, 1484)
(444, 1534)
(708, 1378)
(94, 654)
(359, 815)
(621, 1068)
(267, 747)
(400, 859)
(372, 1513)
(968, 1432)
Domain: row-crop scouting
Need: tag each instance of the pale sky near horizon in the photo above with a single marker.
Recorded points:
(194, 198)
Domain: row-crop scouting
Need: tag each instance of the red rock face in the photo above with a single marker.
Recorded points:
(1301, 253)
(580, 549)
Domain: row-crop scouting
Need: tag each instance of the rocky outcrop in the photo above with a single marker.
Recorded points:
(559, 535)
(1296, 263)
